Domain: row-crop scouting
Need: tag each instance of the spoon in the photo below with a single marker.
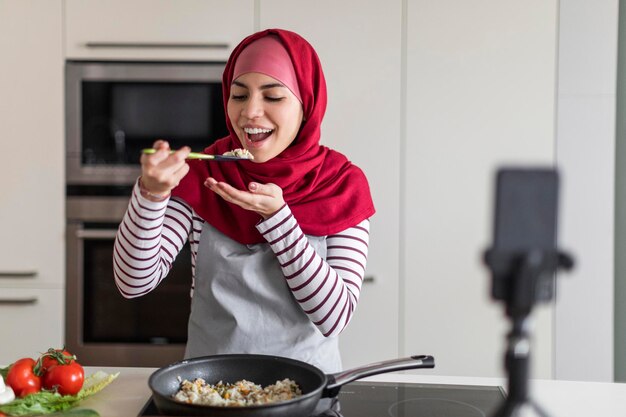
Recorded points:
(195, 155)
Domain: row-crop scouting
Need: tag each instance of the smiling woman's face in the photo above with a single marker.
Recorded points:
(265, 115)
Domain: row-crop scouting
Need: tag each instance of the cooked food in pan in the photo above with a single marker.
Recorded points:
(240, 394)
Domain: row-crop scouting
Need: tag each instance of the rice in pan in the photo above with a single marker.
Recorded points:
(240, 394)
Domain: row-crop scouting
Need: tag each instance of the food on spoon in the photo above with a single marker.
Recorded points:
(240, 394)
(240, 153)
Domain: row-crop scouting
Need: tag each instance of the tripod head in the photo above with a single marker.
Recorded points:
(523, 278)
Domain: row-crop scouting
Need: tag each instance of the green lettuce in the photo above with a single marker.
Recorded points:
(5, 371)
(47, 402)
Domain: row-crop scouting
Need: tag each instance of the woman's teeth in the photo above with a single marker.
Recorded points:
(257, 134)
(256, 130)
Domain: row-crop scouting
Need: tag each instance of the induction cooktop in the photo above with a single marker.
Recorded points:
(385, 399)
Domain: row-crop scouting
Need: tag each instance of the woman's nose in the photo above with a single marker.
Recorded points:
(252, 109)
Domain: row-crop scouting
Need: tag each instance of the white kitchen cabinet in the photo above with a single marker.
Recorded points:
(31, 116)
(32, 322)
(190, 30)
(31, 202)
(359, 45)
(481, 82)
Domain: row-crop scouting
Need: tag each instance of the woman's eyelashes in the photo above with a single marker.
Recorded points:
(243, 97)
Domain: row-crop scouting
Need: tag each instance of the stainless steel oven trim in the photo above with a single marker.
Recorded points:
(77, 72)
(99, 234)
(74, 292)
(96, 209)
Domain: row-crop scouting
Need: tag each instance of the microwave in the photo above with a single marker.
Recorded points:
(116, 109)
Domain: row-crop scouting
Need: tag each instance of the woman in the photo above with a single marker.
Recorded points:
(279, 243)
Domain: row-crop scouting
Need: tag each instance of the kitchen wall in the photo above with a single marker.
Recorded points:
(619, 323)
(450, 90)
(585, 151)
(480, 93)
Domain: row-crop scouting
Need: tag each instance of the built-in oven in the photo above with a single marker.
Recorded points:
(113, 110)
(102, 327)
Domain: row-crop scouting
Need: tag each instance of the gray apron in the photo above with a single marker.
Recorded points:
(242, 304)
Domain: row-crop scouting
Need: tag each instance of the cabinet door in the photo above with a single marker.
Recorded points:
(205, 30)
(31, 117)
(32, 322)
(359, 46)
(480, 93)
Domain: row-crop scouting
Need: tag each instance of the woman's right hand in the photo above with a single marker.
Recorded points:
(160, 171)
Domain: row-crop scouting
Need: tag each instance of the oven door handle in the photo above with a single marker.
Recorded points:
(99, 234)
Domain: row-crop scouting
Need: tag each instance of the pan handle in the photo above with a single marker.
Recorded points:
(335, 381)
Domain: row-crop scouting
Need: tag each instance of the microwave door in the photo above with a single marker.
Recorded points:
(113, 110)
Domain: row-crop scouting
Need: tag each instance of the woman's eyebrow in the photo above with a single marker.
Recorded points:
(263, 87)
(271, 85)
(240, 84)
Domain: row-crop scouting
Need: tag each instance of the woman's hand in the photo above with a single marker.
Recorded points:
(160, 171)
(264, 199)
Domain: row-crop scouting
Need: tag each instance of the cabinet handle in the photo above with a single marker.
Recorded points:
(18, 301)
(96, 234)
(180, 45)
(18, 274)
(368, 278)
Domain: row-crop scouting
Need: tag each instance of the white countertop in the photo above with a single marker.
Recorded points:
(129, 392)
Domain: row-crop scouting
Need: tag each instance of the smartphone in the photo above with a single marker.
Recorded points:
(525, 220)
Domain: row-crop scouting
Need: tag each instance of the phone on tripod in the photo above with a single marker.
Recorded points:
(523, 261)
(525, 220)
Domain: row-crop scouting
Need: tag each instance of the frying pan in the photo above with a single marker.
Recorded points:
(263, 370)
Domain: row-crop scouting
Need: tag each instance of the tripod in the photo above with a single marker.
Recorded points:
(520, 280)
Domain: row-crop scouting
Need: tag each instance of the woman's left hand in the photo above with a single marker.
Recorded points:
(264, 199)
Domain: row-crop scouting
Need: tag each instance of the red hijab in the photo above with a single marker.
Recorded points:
(324, 190)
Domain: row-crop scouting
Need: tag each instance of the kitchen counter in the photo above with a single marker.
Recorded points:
(129, 392)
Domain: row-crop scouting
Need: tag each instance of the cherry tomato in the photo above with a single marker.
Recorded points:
(55, 357)
(22, 378)
(66, 379)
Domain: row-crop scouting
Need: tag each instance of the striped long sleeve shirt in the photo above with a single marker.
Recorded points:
(152, 234)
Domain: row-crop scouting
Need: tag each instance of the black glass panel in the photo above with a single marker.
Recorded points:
(121, 118)
(158, 317)
(418, 400)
